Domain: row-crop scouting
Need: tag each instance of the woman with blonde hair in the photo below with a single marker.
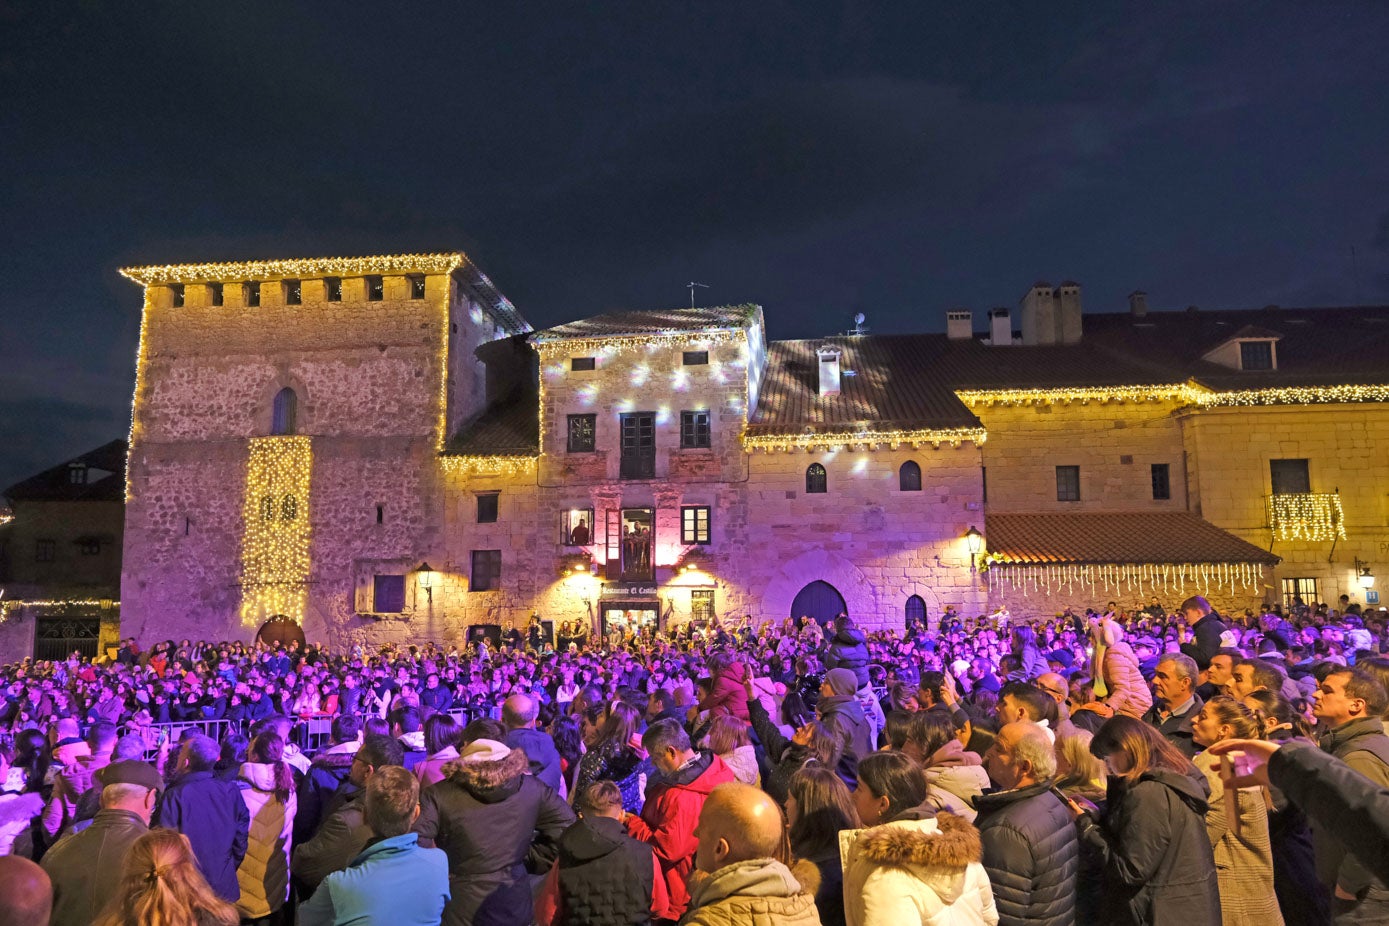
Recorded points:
(729, 740)
(267, 787)
(162, 886)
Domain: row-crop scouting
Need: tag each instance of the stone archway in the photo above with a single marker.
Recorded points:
(280, 629)
(819, 600)
(859, 595)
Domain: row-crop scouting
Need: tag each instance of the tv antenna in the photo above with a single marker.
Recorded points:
(691, 286)
(859, 319)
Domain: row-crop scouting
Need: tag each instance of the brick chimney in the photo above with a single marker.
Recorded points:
(829, 370)
(1138, 303)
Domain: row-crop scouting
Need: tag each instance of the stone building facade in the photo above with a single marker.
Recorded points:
(382, 449)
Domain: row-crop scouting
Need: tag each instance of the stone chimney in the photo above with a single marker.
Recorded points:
(1000, 327)
(829, 370)
(1138, 303)
(1068, 313)
(1038, 309)
(959, 324)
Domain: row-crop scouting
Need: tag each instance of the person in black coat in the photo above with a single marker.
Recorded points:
(818, 807)
(327, 773)
(848, 650)
(497, 823)
(1159, 868)
(210, 812)
(1031, 851)
(1207, 631)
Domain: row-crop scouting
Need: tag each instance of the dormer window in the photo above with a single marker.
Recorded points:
(1256, 355)
(77, 474)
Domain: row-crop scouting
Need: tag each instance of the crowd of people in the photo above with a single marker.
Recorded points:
(1108, 766)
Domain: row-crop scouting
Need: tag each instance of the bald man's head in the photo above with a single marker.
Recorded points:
(738, 823)
(26, 894)
(519, 711)
(1056, 687)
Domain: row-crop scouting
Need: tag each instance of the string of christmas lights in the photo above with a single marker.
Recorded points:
(295, 268)
(275, 546)
(16, 604)
(1189, 393)
(864, 439)
(1140, 579)
(488, 465)
(1313, 516)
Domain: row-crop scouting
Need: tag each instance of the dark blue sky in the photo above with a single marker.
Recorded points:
(817, 158)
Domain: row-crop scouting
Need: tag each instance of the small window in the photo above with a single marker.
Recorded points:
(916, 611)
(44, 551)
(984, 484)
(1298, 592)
(416, 287)
(694, 430)
(177, 291)
(576, 527)
(1256, 355)
(376, 289)
(284, 412)
(580, 364)
(77, 474)
(1068, 483)
(694, 524)
(380, 514)
(582, 429)
(89, 547)
(909, 477)
(289, 508)
(702, 604)
(294, 292)
(487, 571)
(696, 358)
(1290, 477)
(816, 480)
(252, 293)
(487, 508)
(1162, 482)
(332, 289)
(388, 594)
(214, 291)
(267, 508)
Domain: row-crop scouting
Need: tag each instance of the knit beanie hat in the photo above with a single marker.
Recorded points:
(483, 751)
(842, 681)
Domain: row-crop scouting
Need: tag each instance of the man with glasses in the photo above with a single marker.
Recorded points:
(86, 867)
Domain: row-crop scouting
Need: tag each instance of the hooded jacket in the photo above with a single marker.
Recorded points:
(264, 873)
(540, 750)
(326, 774)
(668, 821)
(1126, 692)
(392, 881)
(955, 769)
(68, 787)
(916, 869)
(728, 694)
(213, 816)
(1362, 745)
(848, 650)
(1032, 855)
(1159, 869)
(603, 878)
(848, 712)
(758, 892)
(496, 822)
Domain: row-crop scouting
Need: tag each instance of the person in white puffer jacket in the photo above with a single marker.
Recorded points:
(267, 787)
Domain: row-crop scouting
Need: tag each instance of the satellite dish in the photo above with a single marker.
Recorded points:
(858, 318)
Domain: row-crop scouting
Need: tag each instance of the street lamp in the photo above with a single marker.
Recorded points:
(426, 579)
(975, 540)
(1363, 575)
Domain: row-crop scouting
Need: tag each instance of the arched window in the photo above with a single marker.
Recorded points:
(916, 611)
(286, 407)
(289, 508)
(909, 477)
(267, 508)
(816, 481)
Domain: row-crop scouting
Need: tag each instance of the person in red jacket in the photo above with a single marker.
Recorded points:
(727, 695)
(673, 802)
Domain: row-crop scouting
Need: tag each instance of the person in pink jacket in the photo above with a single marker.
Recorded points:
(1119, 685)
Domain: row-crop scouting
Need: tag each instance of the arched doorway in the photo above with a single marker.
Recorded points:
(819, 600)
(916, 612)
(280, 629)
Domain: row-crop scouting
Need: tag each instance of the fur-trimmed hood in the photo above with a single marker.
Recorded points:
(945, 841)
(489, 781)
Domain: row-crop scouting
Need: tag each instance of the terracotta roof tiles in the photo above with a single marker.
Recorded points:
(1110, 537)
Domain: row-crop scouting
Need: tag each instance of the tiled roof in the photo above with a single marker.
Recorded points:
(507, 428)
(661, 321)
(1104, 537)
(105, 478)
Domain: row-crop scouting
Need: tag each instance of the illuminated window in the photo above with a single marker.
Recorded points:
(214, 291)
(177, 290)
(332, 288)
(916, 611)
(289, 508)
(638, 544)
(909, 477)
(702, 604)
(416, 287)
(294, 292)
(252, 293)
(284, 412)
(816, 480)
(487, 571)
(581, 364)
(267, 508)
(376, 289)
(576, 527)
(1256, 355)
(1068, 483)
(694, 430)
(695, 358)
(487, 508)
(1162, 481)
(694, 524)
(582, 429)
(388, 594)
(1299, 592)
(1290, 477)
(44, 551)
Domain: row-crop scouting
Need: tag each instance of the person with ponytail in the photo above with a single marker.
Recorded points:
(161, 885)
(1243, 851)
(267, 787)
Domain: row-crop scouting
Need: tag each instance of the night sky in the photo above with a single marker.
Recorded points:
(820, 159)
